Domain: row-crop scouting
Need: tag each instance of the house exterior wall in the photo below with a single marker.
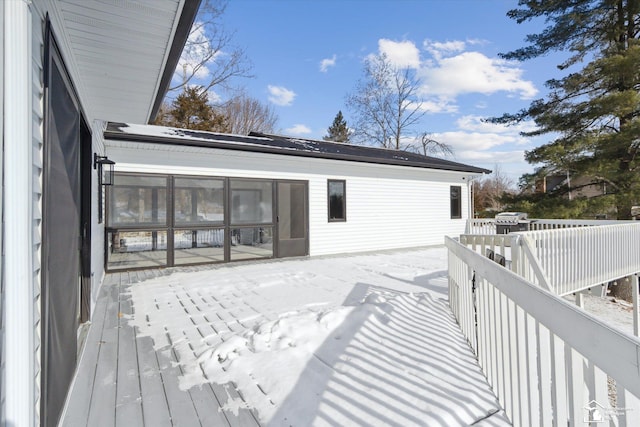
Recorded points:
(2, 354)
(24, 177)
(97, 229)
(37, 125)
(21, 89)
(388, 206)
(22, 39)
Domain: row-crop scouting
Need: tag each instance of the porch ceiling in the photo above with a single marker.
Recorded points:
(125, 52)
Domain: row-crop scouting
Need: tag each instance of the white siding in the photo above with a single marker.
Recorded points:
(22, 136)
(97, 230)
(3, 387)
(37, 142)
(387, 206)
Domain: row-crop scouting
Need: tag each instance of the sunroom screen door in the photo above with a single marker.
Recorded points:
(292, 219)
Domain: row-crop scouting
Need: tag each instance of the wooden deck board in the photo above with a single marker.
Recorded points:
(123, 381)
(82, 388)
(183, 412)
(154, 400)
(128, 398)
(226, 392)
(103, 400)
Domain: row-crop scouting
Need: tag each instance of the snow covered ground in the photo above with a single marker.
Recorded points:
(616, 312)
(352, 340)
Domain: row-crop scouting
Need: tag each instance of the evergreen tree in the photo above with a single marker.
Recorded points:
(338, 131)
(593, 112)
(191, 110)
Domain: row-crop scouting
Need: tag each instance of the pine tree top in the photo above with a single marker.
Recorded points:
(338, 131)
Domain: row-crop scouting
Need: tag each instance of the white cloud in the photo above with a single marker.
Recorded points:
(298, 129)
(476, 123)
(477, 141)
(453, 69)
(473, 72)
(196, 50)
(326, 63)
(496, 157)
(438, 49)
(475, 135)
(402, 54)
(281, 95)
(214, 97)
(439, 105)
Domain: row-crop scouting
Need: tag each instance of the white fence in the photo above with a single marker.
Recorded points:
(549, 362)
(576, 259)
(567, 260)
(488, 226)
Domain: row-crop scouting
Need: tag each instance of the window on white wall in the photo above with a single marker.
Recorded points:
(456, 201)
(337, 200)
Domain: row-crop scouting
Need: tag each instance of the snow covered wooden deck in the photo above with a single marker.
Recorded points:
(353, 340)
(123, 381)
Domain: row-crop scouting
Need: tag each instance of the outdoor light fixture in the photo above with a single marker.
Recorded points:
(105, 169)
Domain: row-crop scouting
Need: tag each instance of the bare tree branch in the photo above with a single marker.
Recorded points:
(246, 114)
(385, 103)
(209, 58)
(428, 146)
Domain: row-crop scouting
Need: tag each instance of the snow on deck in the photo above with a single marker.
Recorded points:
(353, 340)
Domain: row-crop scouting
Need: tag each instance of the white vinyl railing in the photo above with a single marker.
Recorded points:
(549, 362)
(565, 256)
(517, 253)
(488, 226)
(579, 258)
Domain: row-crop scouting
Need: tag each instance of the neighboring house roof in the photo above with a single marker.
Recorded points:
(578, 185)
(282, 145)
(124, 52)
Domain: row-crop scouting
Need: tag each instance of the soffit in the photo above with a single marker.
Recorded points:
(120, 49)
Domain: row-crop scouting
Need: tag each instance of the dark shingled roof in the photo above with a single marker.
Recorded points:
(282, 145)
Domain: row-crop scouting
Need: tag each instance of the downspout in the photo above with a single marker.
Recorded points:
(470, 202)
(470, 191)
(17, 255)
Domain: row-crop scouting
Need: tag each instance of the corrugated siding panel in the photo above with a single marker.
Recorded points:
(37, 141)
(387, 206)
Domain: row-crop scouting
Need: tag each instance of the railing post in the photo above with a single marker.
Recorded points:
(636, 309)
(580, 299)
(515, 254)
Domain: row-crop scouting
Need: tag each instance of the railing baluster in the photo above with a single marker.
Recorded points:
(544, 374)
(529, 342)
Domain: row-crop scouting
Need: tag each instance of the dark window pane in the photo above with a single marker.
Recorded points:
(456, 201)
(198, 201)
(337, 201)
(134, 249)
(198, 246)
(254, 242)
(291, 211)
(251, 202)
(138, 200)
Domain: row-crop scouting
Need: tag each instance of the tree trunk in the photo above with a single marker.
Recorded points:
(623, 206)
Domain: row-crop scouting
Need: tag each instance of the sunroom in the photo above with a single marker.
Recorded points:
(183, 197)
(156, 220)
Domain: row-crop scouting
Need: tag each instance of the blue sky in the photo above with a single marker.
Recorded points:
(307, 55)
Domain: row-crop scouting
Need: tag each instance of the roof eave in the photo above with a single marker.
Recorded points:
(187, 17)
(155, 139)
